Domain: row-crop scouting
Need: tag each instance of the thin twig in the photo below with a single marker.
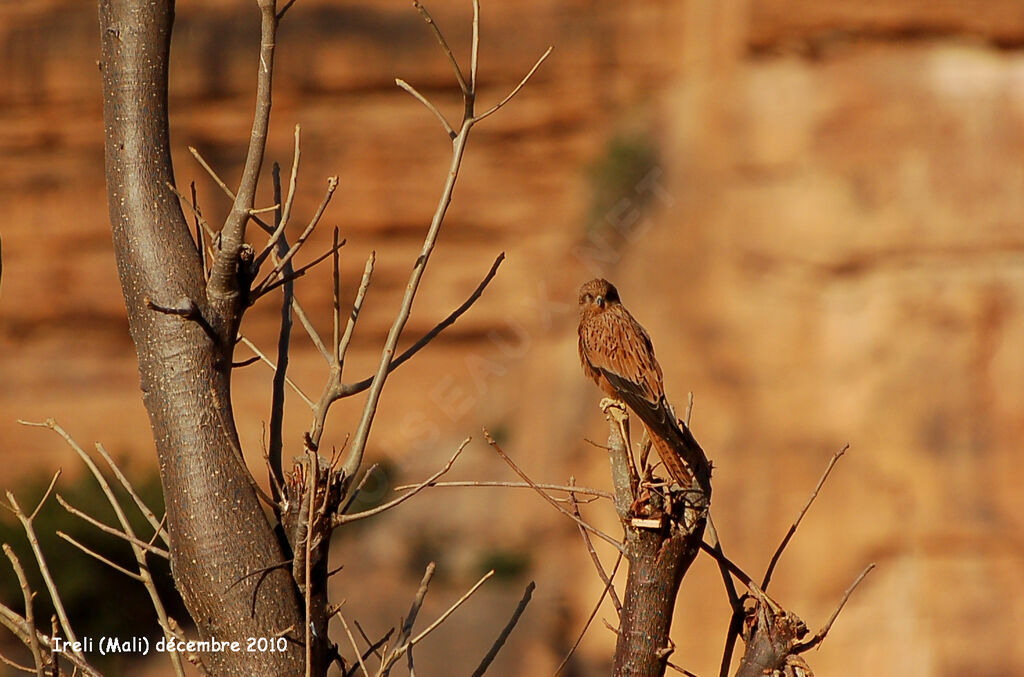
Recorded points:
(111, 530)
(590, 619)
(266, 285)
(505, 632)
(515, 91)
(820, 635)
(30, 621)
(338, 520)
(474, 52)
(736, 618)
(299, 272)
(352, 639)
(443, 617)
(494, 445)
(213, 175)
(594, 558)
(410, 619)
(367, 474)
(332, 356)
(19, 667)
(195, 212)
(349, 389)
(357, 305)
(101, 558)
(293, 179)
(430, 106)
(681, 671)
(284, 10)
(803, 511)
(594, 493)
(143, 508)
(466, 91)
(44, 570)
(200, 240)
(252, 346)
(46, 494)
(311, 331)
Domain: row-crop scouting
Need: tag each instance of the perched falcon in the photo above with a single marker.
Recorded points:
(617, 353)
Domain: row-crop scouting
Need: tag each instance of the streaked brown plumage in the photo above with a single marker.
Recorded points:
(618, 355)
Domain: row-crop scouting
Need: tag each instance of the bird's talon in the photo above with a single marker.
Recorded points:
(614, 409)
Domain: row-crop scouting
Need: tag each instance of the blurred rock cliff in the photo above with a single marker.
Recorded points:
(815, 208)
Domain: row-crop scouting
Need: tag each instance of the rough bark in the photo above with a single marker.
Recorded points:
(658, 560)
(663, 535)
(225, 559)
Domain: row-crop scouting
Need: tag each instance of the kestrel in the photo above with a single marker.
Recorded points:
(618, 355)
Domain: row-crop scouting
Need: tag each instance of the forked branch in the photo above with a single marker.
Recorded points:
(354, 460)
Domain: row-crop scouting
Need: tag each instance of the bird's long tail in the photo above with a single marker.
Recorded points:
(678, 449)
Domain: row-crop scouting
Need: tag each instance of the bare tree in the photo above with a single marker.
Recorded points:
(665, 526)
(241, 576)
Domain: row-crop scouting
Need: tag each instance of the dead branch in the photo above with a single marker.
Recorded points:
(266, 360)
(27, 595)
(44, 570)
(276, 443)
(803, 511)
(594, 494)
(663, 537)
(607, 580)
(593, 614)
(505, 632)
(354, 460)
(223, 285)
(338, 520)
(139, 547)
(349, 389)
(820, 635)
(533, 485)
(85, 517)
(143, 508)
(401, 649)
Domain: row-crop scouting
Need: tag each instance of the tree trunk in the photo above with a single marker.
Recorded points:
(664, 530)
(224, 556)
(658, 560)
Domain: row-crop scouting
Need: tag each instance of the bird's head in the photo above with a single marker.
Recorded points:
(597, 295)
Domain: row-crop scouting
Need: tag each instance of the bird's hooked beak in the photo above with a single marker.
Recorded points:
(599, 301)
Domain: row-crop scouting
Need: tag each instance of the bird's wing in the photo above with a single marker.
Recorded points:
(617, 347)
(620, 349)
